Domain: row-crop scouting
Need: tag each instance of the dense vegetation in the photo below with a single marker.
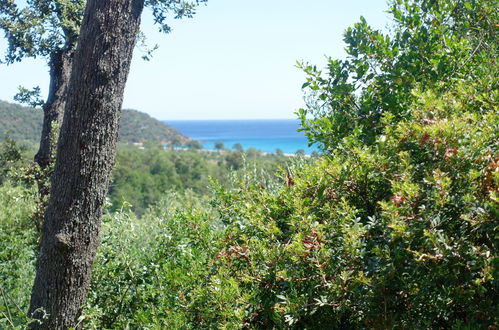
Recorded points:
(20, 123)
(25, 124)
(142, 177)
(395, 226)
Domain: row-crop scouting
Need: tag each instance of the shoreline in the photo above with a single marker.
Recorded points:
(166, 147)
(263, 153)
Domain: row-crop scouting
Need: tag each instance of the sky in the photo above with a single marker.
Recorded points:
(234, 59)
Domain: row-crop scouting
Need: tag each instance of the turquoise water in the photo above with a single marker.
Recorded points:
(266, 135)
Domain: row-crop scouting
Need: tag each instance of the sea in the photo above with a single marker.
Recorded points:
(266, 135)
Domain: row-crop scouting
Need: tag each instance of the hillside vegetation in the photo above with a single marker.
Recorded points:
(22, 124)
(136, 126)
(25, 124)
(142, 177)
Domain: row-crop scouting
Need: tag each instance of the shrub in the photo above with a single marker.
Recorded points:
(147, 269)
(397, 234)
(18, 243)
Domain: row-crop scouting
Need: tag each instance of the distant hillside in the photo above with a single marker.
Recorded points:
(21, 123)
(137, 126)
(25, 124)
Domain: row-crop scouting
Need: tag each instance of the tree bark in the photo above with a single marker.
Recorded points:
(85, 156)
(53, 110)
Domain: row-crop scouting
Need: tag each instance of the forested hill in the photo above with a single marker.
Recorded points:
(136, 126)
(25, 124)
(20, 123)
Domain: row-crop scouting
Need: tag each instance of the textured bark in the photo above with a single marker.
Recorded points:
(53, 109)
(85, 156)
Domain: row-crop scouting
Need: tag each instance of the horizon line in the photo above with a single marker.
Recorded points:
(213, 119)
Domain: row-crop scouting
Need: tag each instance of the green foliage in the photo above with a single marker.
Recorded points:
(432, 46)
(235, 160)
(238, 147)
(43, 28)
(148, 270)
(22, 124)
(196, 145)
(18, 243)
(396, 227)
(11, 156)
(300, 152)
(398, 234)
(15, 167)
(142, 177)
(401, 233)
(39, 28)
(161, 9)
(30, 97)
(219, 145)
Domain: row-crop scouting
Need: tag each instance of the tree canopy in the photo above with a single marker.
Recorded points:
(49, 29)
(38, 28)
(431, 45)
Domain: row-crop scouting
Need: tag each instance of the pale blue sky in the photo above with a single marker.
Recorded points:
(234, 60)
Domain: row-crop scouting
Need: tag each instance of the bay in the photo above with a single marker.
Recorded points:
(266, 135)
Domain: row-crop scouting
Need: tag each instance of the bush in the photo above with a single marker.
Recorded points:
(18, 243)
(148, 269)
(431, 46)
(397, 234)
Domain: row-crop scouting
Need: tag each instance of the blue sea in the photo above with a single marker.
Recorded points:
(266, 135)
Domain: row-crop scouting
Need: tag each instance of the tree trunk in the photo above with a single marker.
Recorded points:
(53, 110)
(85, 156)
